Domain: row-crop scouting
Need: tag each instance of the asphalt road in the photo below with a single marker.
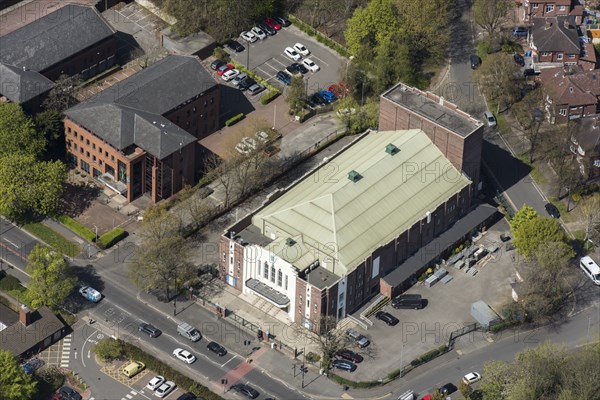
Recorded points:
(15, 244)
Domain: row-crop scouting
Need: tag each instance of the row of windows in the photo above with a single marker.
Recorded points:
(274, 275)
(87, 142)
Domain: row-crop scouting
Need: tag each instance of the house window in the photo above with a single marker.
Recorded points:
(315, 307)
(571, 56)
(535, 5)
(279, 278)
(563, 112)
(562, 8)
(87, 154)
(266, 275)
(549, 8)
(87, 141)
(94, 158)
(272, 273)
(286, 283)
(559, 56)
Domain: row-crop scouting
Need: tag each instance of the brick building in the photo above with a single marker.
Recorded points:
(140, 137)
(69, 41)
(552, 8)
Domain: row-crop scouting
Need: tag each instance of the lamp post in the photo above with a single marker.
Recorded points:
(402, 361)
(347, 65)
(96, 229)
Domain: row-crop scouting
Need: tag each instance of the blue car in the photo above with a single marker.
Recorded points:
(328, 96)
(284, 78)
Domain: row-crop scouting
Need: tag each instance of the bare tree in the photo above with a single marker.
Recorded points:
(524, 111)
(496, 77)
(159, 223)
(219, 170)
(61, 96)
(590, 212)
(489, 14)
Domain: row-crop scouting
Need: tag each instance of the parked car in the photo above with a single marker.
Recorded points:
(552, 210)
(318, 99)
(242, 148)
(283, 21)
(350, 356)
(216, 64)
(251, 143)
(291, 53)
(259, 33)
(149, 329)
(519, 59)
(235, 46)
(248, 37)
(184, 355)
(32, 365)
(489, 118)
(256, 89)
(246, 390)
(224, 68)
(300, 48)
(164, 389)
(448, 388)
(387, 318)
(475, 61)
(239, 78)
(519, 31)
(310, 64)
(230, 74)
(471, 377)
(246, 83)
(273, 24)
(328, 96)
(360, 339)
(216, 348)
(310, 102)
(283, 77)
(68, 393)
(408, 301)
(263, 136)
(270, 31)
(344, 365)
(187, 396)
(296, 68)
(155, 382)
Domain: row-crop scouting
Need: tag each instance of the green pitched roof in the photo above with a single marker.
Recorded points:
(342, 220)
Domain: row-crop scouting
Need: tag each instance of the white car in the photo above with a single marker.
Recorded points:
(291, 53)
(243, 149)
(259, 33)
(471, 377)
(310, 65)
(229, 75)
(262, 136)
(251, 143)
(248, 37)
(155, 382)
(165, 389)
(300, 48)
(184, 355)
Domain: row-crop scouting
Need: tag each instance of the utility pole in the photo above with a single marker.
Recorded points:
(248, 57)
(303, 365)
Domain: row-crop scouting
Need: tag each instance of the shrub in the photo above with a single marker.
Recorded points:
(353, 384)
(430, 355)
(108, 349)
(221, 54)
(234, 119)
(252, 75)
(111, 237)
(332, 44)
(484, 47)
(76, 227)
(269, 97)
(10, 283)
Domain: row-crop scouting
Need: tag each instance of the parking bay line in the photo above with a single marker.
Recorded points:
(317, 58)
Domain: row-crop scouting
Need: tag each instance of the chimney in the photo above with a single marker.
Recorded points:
(24, 315)
(548, 24)
(566, 23)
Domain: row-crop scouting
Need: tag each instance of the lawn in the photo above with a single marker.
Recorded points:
(53, 239)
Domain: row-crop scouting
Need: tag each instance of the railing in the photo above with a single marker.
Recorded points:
(460, 332)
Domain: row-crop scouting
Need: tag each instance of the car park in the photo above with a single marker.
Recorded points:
(360, 339)
(248, 37)
(300, 48)
(235, 46)
(344, 365)
(242, 148)
(230, 74)
(349, 355)
(519, 59)
(291, 53)
(387, 318)
(216, 64)
(262, 136)
(283, 77)
(283, 21)
(184, 355)
(273, 24)
(310, 65)
(246, 83)
(224, 68)
(408, 301)
(270, 31)
(259, 33)
(471, 377)
(296, 68)
(164, 389)
(149, 329)
(216, 348)
(68, 393)
(155, 382)
(489, 118)
(239, 78)
(552, 210)
(246, 390)
(256, 89)
(519, 31)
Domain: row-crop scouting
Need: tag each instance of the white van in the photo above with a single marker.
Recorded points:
(590, 268)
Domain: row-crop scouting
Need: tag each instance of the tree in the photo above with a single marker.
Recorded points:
(489, 14)
(159, 223)
(52, 278)
(108, 349)
(17, 132)
(525, 115)
(533, 233)
(590, 213)
(61, 96)
(49, 123)
(496, 77)
(465, 389)
(356, 118)
(526, 213)
(219, 170)
(296, 93)
(45, 183)
(553, 256)
(15, 384)
(371, 25)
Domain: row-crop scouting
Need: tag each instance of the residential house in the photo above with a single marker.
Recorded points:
(73, 40)
(552, 8)
(585, 145)
(139, 137)
(570, 93)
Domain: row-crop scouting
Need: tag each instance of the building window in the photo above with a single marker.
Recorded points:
(87, 141)
(535, 5)
(101, 162)
(315, 307)
(94, 158)
(81, 150)
(87, 154)
(194, 109)
(85, 166)
(257, 269)
(279, 278)
(562, 8)
(266, 272)
(559, 56)
(100, 150)
(93, 146)
(81, 138)
(549, 8)
(273, 273)
(563, 112)
(571, 56)
(75, 146)
(341, 297)
(69, 130)
(238, 264)
(286, 283)
(224, 257)
(308, 304)
(106, 154)
(112, 158)
(300, 304)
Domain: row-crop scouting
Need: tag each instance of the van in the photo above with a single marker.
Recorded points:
(590, 268)
(408, 301)
(188, 331)
(133, 368)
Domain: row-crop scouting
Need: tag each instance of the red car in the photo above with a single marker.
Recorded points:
(224, 68)
(273, 24)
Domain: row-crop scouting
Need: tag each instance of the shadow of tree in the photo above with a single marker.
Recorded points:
(77, 198)
(87, 276)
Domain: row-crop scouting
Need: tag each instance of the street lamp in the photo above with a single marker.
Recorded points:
(96, 228)
(347, 65)
(402, 361)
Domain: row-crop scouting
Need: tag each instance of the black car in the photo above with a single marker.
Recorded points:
(283, 21)
(270, 31)
(246, 83)
(216, 348)
(151, 330)
(318, 99)
(519, 59)
(408, 301)
(235, 45)
(69, 394)
(309, 102)
(344, 364)
(350, 356)
(387, 318)
(246, 390)
(187, 396)
(475, 61)
(216, 64)
(296, 68)
(448, 388)
(552, 210)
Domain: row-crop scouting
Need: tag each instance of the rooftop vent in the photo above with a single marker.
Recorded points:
(391, 149)
(354, 176)
(290, 242)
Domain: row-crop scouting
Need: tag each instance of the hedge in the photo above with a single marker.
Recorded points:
(332, 44)
(252, 75)
(353, 384)
(234, 119)
(269, 97)
(76, 227)
(111, 237)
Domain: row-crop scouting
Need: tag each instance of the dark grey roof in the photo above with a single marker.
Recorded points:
(20, 85)
(266, 291)
(321, 277)
(421, 103)
(428, 253)
(54, 37)
(550, 34)
(131, 111)
(7, 315)
(19, 339)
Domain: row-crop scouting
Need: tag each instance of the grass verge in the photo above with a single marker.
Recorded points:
(53, 238)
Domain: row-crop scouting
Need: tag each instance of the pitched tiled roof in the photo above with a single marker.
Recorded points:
(550, 34)
(20, 85)
(579, 88)
(19, 339)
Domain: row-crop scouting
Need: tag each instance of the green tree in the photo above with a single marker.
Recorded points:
(489, 14)
(356, 118)
(15, 384)
(108, 349)
(371, 25)
(52, 278)
(296, 93)
(496, 78)
(29, 187)
(17, 132)
(531, 234)
(465, 389)
(526, 213)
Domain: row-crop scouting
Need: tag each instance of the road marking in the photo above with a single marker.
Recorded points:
(8, 241)
(227, 362)
(279, 62)
(84, 343)
(66, 351)
(317, 58)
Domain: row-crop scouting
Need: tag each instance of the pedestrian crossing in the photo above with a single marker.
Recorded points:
(129, 395)
(66, 351)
